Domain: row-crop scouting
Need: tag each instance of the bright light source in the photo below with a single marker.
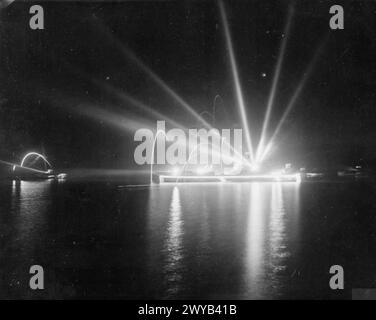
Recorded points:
(255, 167)
(203, 170)
(175, 171)
(200, 171)
(276, 173)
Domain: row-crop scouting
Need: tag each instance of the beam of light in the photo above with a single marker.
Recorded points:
(125, 98)
(293, 100)
(162, 84)
(234, 69)
(157, 80)
(115, 120)
(94, 112)
(5, 3)
(15, 165)
(274, 84)
(104, 116)
(202, 113)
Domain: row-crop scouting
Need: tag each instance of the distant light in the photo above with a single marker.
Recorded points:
(288, 166)
(203, 170)
(255, 167)
(277, 173)
(263, 74)
(175, 171)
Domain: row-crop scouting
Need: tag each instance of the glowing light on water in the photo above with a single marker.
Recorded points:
(201, 178)
(255, 235)
(279, 250)
(174, 246)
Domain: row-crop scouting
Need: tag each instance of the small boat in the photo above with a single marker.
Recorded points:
(22, 173)
(25, 171)
(229, 178)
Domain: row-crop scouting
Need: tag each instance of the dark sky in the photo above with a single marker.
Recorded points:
(47, 76)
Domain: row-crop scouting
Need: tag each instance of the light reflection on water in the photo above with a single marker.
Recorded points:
(255, 246)
(245, 224)
(173, 246)
(279, 250)
(220, 241)
(214, 241)
(23, 222)
(246, 240)
(30, 203)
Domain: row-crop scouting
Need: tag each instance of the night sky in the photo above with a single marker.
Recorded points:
(48, 77)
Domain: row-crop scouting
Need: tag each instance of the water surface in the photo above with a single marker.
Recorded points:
(217, 241)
